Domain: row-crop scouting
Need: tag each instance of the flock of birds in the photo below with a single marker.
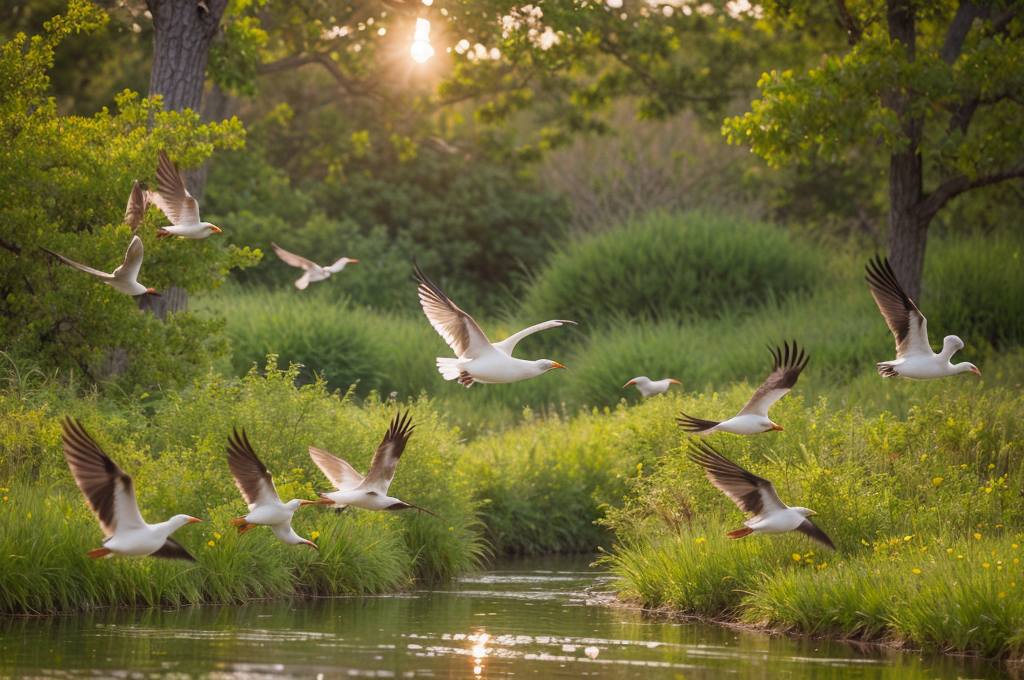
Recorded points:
(110, 492)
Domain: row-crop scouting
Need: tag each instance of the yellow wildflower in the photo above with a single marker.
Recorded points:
(315, 535)
(977, 537)
(216, 535)
(796, 557)
(211, 544)
(916, 571)
(986, 565)
(937, 481)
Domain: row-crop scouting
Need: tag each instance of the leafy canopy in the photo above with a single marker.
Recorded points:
(65, 182)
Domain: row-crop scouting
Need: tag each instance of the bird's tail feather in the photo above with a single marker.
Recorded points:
(449, 368)
(886, 370)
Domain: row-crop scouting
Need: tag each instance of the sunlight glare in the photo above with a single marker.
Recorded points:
(421, 48)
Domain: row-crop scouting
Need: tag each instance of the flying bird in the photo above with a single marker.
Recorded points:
(177, 204)
(477, 359)
(110, 493)
(314, 272)
(648, 387)
(753, 418)
(138, 201)
(125, 278)
(256, 484)
(756, 495)
(914, 356)
(370, 492)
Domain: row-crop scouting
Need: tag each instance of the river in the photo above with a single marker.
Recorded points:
(528, 619)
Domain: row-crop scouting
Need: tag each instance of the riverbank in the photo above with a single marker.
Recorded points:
(926, 513)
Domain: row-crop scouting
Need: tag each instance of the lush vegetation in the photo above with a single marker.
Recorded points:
(174, 448)
(924, 510)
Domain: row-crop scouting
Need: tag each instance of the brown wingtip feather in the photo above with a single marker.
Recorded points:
(695, 425)
(740, 533)
(789, 357)
(97, 553)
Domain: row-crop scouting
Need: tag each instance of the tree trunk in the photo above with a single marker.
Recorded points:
(907, 232)
(183, 31)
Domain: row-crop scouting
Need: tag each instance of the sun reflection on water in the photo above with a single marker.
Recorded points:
(479, 651)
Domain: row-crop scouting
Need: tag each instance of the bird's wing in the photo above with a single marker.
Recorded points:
(812, 530)
(252, 478)
(786, 367)
(291, 258)
(129, 269)
(457, 328)
(338, 265)
(136, 209)
(109, 490)
(76, 265)
(172, 550)
(172, 197)
(905, 320)
(508, 344)
(342, 475)
(748, 491)
(385, 458)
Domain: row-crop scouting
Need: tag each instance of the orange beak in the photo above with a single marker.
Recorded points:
(313, 544)
(309, 502)
(975, 371)
(631, 382)
(216, 230)
(555, 364)
(674, 382)
(193, 519)
(777, 427)
(351, 261)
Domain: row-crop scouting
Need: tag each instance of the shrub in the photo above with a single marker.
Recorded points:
(671, 266)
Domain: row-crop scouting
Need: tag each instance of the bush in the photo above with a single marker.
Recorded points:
(671, 266)
(67, 180)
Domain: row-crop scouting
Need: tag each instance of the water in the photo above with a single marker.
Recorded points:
(528, 619)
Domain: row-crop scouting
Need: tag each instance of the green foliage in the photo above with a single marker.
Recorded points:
(923, 510)
(174, 448)
(671, 265)
(66, 180)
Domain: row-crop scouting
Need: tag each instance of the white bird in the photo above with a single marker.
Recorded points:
(755, 495)
(137, 204)
(125, 278)
(371, 492)
(256, 484)
(477, 359)
(753, 418)
(648, 387)
(110, 493)
(177, 204)
(314, 272)
(914, 356)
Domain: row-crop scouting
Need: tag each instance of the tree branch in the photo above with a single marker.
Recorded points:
(7, 245)
(952, 188)
(849, 24)
(285, 64)
(958, 29)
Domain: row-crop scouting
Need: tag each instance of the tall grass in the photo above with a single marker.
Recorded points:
(925, 511)
(174, 448)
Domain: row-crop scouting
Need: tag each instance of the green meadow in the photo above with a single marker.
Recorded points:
(917, 483)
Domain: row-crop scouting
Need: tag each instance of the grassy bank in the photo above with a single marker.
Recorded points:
(652, 299)
(926, 513)
(174, 448)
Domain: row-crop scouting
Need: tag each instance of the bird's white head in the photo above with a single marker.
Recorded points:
(182, 520)
(210, 228)
(548, 364)
(806, 512)
(641, 380)
(965, 366)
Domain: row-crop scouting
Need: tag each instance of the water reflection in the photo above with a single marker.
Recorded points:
(528, 620)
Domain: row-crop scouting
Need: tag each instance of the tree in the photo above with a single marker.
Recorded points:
(64, 181)
(935, 86)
